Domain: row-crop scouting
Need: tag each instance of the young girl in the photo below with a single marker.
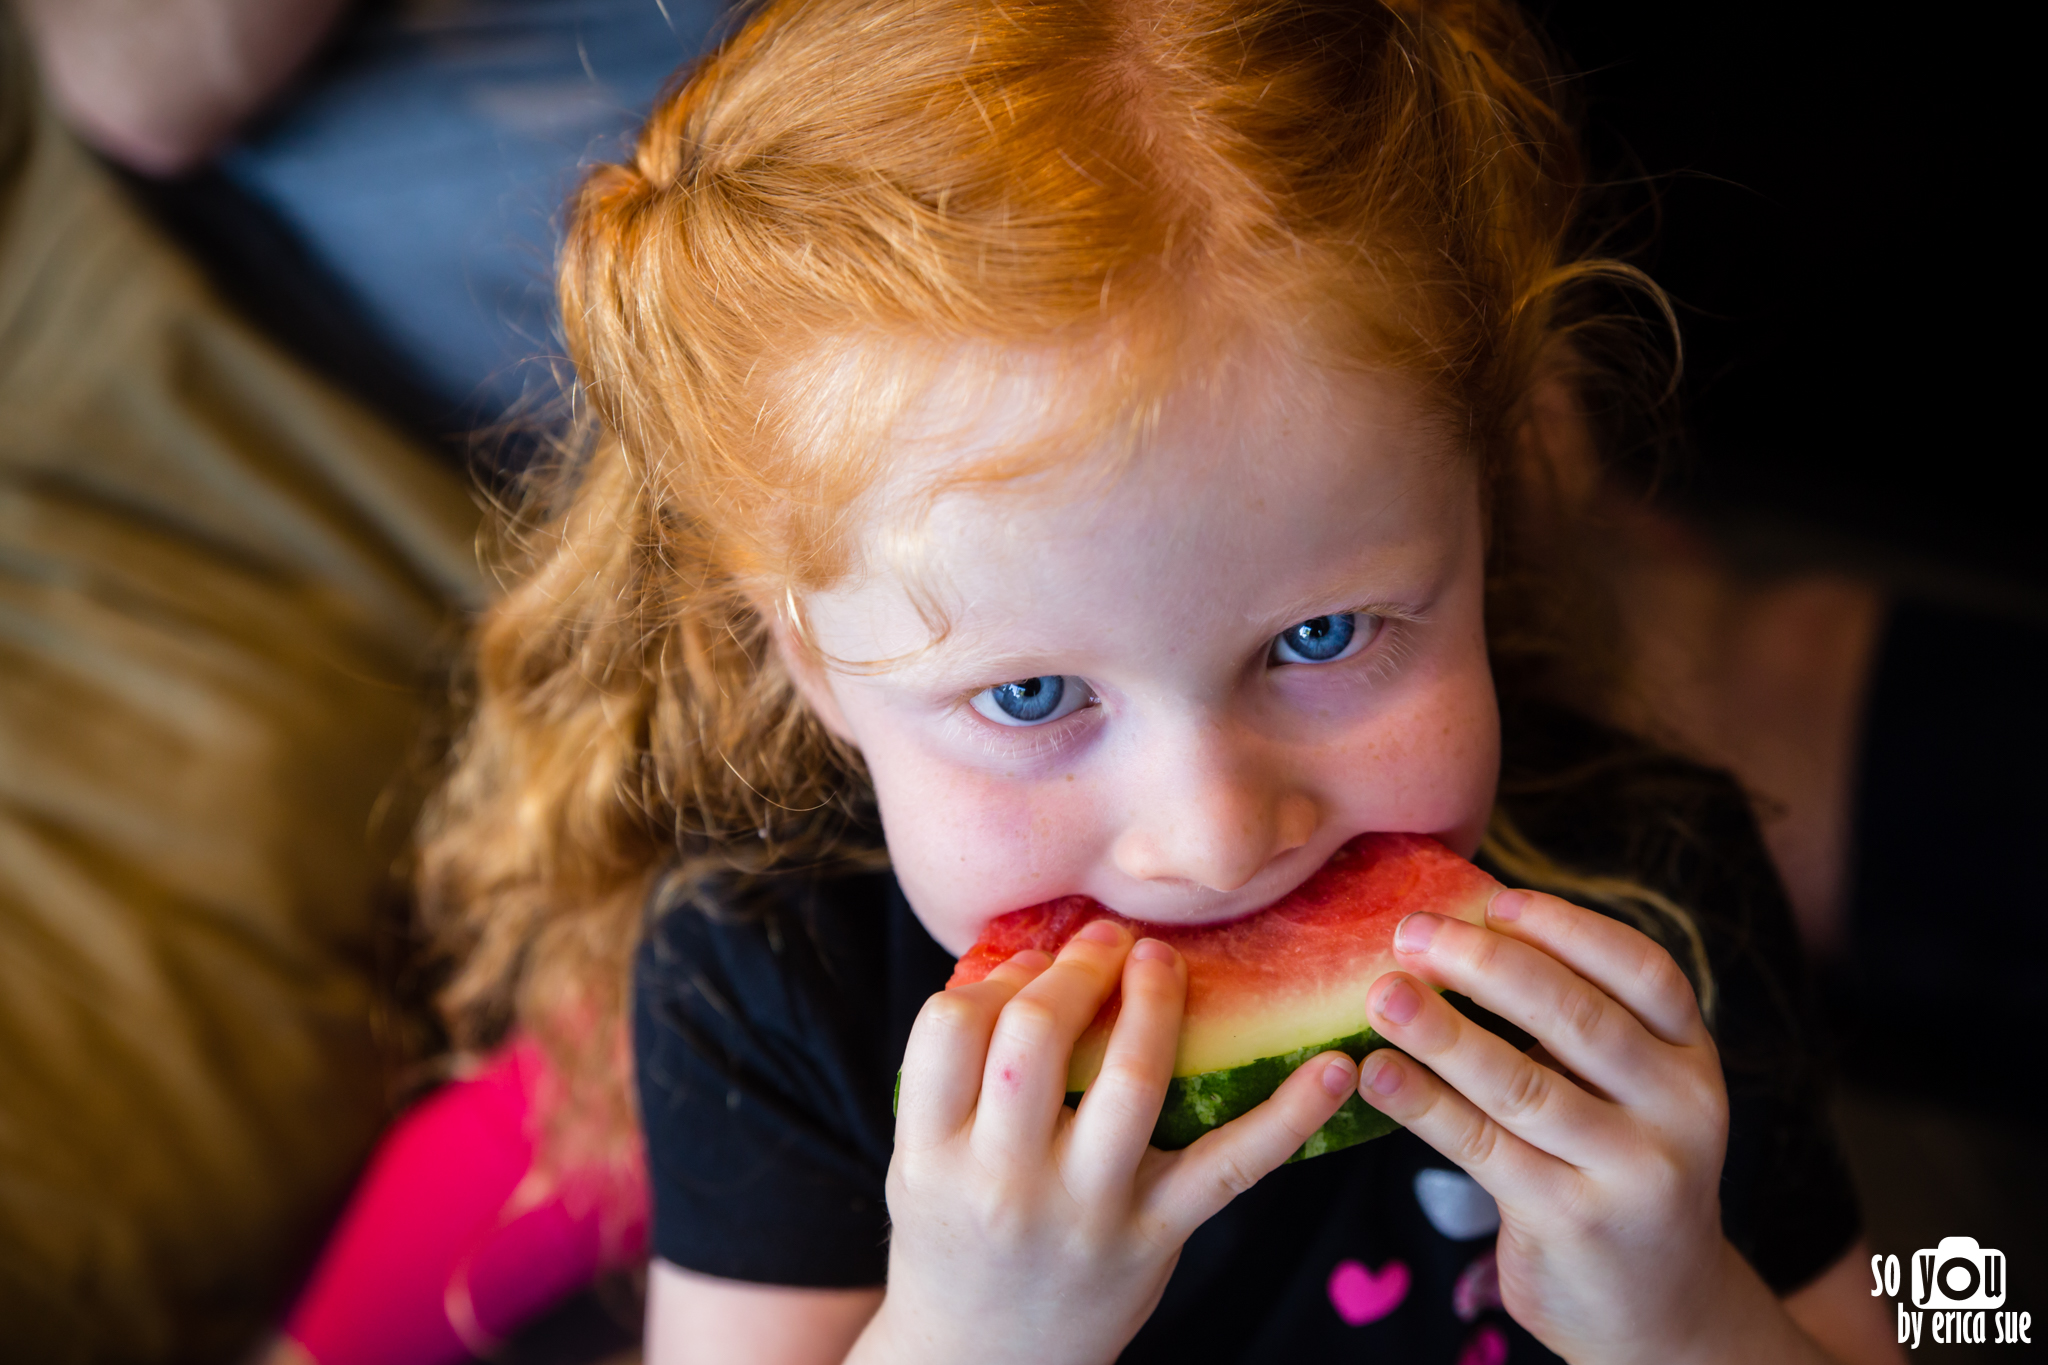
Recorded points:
(1124, 450)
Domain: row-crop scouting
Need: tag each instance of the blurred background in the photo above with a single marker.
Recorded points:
(275, 302)
(1839, 589)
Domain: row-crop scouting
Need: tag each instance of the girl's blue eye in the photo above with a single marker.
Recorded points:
(1323, 639)
(1032, 701)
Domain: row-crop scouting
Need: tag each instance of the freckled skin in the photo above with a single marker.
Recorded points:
(1203, 782)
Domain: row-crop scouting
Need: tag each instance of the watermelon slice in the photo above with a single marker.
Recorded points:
(1270, 990)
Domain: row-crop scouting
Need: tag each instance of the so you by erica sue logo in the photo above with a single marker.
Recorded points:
(1957, 1298)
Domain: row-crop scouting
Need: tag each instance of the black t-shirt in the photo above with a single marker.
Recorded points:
(768, 1034)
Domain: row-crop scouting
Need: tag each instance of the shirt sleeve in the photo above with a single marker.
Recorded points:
(1787, 1201)
(764, 1094)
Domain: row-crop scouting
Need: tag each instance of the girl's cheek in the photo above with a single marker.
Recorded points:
(1429, 768)
(1465, 755)
(968, 846)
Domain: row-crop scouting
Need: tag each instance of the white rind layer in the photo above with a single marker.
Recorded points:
(1326, 1010)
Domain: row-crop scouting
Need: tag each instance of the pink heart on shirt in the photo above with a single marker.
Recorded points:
(1488, 1346)
(1361, 1296)
(1478, 1288)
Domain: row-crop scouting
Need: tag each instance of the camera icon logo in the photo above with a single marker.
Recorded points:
(1958, 1274)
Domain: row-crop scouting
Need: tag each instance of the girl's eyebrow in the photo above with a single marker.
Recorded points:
(1391, 610)
(1333, 603)
(940, 668)
(1352, 590)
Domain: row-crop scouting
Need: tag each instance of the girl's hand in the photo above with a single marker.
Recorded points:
(1025, 1231)
(1602, 1146)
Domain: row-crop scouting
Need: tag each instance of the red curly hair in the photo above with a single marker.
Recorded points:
(850, 185)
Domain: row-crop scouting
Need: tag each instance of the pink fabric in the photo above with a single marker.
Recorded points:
(434, 1261)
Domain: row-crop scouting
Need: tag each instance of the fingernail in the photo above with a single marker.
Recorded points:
(1338, 1077)
(1032, 959)
(1506, 906)
(1152, 950)
(1399, 1003)
(1380, 1074)
(1106, 931)
(1413, 934)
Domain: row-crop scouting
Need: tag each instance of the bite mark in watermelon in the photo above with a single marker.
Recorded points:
(1270, 990)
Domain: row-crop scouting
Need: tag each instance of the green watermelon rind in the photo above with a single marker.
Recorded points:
(1196, 1104)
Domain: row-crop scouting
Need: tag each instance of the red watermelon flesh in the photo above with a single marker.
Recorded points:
(1271, 983)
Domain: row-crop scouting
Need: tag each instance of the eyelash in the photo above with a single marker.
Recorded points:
(1389, 647)
(1381, 656)
(1390, 642)
(1024, 743)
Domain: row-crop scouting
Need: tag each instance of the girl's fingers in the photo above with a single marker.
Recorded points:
(942, 1063)
(1581, 1024)
(1118, 1114)
(1513, 1171)
(1506, 1086)
(1626, 963)
(1024, 1080)
(1188, 1187)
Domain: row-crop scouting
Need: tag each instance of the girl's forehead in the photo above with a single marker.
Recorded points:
(1068, 425)
(1234, 502)
(1218, 463)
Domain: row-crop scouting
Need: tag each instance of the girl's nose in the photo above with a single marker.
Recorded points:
(1211, 811)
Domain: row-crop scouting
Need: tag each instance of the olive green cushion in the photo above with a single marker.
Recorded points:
(224, 592)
